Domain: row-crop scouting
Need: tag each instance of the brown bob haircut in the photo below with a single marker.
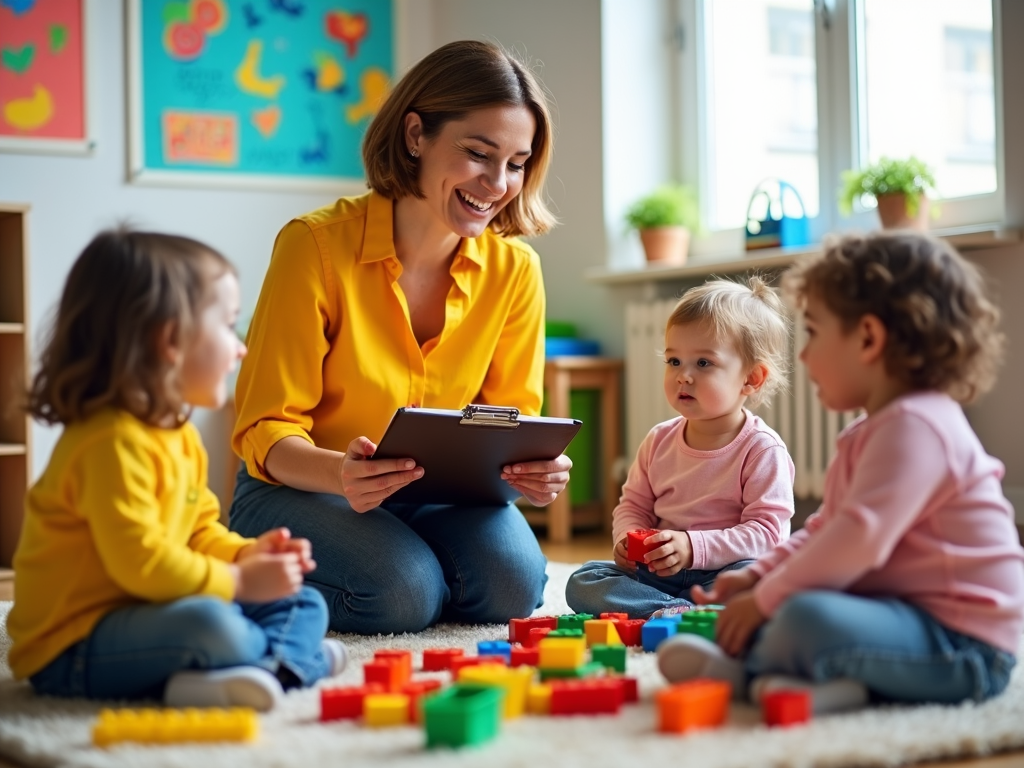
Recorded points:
(446, 85)
(941, 325)
(103, 349)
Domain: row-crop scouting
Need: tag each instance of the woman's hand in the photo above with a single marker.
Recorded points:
(276, 542)
(738, 622)
(620, 552)
(675, 555)
(539, 481)
(726, 585)
(367, 483)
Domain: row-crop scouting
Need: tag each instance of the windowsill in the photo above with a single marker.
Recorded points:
(968, 238)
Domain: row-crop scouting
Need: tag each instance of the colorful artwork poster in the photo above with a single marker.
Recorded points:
(268, 87)
(42, 72)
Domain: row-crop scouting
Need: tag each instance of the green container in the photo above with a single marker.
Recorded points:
(559, 329)
(585, 405)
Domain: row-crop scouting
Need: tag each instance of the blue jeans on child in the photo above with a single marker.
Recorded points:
(898, 651)
(403, 567)
(133, 651)
(602, 586)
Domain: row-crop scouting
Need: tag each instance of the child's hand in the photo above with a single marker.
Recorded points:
(619, 554)
(726, 585)
(264, 577)
(278, 541)
(675, 555)
(738, 622)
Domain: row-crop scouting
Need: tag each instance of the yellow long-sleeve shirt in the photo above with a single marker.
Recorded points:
(332, 353)
(121, 515)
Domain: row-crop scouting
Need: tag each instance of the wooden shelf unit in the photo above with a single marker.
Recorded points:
(15, 430)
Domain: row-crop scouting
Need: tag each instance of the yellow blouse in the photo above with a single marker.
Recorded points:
(332, 353)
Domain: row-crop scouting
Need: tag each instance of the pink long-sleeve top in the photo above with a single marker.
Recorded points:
(913, 509)
(734, 503)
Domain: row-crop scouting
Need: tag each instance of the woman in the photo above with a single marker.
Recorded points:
(412, 295)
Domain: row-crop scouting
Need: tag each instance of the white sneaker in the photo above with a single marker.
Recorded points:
(336, 653)
(231, 687)
(840, 695)
(686, 656)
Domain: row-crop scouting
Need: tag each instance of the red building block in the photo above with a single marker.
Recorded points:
(614, 616)
(635, 547)
(786, 707)
(519, 629)
(345, 703)
(586, 696)
(630, 693)
(630, 631)
(396, 656)
(525, 656)
(536, 635)
(417, 690)
(436, 659)
(392, 675)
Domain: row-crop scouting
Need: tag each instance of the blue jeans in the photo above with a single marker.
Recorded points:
(898, 651)
(133, 651)
(403, 567)
(602, 586)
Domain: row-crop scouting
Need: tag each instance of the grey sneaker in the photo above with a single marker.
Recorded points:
(336, 653)
(685, 657)
(231, 687)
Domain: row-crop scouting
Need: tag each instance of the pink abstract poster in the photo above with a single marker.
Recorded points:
(42, 73)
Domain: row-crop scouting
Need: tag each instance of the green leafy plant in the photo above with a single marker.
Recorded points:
(671, 205)
(910, 177)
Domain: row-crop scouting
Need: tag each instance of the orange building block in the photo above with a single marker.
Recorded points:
(699, 703)
(396, 656)
(387, 672)
(417, 691)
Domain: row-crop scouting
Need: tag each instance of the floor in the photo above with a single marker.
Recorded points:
(596, 546)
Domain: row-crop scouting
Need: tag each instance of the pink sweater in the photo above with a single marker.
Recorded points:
(913, 509)
(735, 503)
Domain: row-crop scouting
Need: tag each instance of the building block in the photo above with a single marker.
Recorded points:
(167, 726)
(610, 656)
(536, 634)
(699, 623)
(598, 695)
(516, 683)
(436, 659)
(567, 632)
(698, 703)
(786, 707)
(417, 691)
(519, 629)
(655, 630)
(635, 547)
(389, 673)
(471, 661)
(462, 714)
(630, 631)
(538, 699)
(601, 632)
(381, 710)
(574, 620)
(345, 703)
(610, 616)
(495, 648)
(397, 656)
(562, 652)
(630, 690)
(524, 656)
(590, 669)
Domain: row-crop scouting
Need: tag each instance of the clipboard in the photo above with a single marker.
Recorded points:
(462, 452)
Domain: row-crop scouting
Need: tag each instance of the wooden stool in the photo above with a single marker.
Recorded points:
(561, 375)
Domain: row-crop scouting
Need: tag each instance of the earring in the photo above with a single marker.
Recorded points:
(414, 153)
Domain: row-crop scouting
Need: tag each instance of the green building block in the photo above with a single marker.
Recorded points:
(565, 633)
(590, 669)
(574, 620)
(613, 656)
(699, 623)
(464, 713)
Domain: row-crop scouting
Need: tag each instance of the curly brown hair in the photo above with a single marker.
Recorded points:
(123, 292)
(941, 325)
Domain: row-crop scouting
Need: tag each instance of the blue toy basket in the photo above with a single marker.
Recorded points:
(776, 229)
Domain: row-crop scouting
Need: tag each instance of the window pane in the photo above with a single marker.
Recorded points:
(762, 113)
(931, 94)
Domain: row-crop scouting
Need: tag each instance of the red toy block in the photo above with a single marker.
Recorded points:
(635, 547)
(536, 635)
(345, 703)
(630, 693)
(417, 690)
(387, 672)
(614, 616)
(586, 696)
(630, 631)
(519, 629)
(436, 659)
(394, 655)
(786, 707)
(525, 656)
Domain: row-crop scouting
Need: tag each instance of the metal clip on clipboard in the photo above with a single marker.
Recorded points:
(490, 416)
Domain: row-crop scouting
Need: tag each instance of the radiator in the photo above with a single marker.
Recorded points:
(807, 428)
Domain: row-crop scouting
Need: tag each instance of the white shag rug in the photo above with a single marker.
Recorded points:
(38, 731)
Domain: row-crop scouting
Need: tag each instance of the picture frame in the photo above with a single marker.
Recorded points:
(272, 94)
(46, 76)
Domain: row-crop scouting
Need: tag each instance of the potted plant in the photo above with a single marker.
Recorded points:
(899, 186)
(665, 218)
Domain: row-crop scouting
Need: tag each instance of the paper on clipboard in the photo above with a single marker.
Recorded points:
(462, 452)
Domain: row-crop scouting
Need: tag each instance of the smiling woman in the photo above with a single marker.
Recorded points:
(415, 294)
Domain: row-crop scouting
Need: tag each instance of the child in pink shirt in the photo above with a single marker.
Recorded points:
(908, 583)
(716, 481)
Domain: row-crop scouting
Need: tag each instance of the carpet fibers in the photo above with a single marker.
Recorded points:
(39, 731)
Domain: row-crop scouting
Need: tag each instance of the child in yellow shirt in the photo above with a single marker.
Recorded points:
(127, 585)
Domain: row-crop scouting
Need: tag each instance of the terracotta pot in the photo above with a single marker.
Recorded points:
(666, 245)
(892, 210)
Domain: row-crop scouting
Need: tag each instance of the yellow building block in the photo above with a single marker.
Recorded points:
(538, 700)
(515, 680)
(601, 632)
(381, 710)
(562, 652)
(167, 726)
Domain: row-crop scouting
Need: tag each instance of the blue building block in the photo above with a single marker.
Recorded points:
(495, 648)
(656, 630)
